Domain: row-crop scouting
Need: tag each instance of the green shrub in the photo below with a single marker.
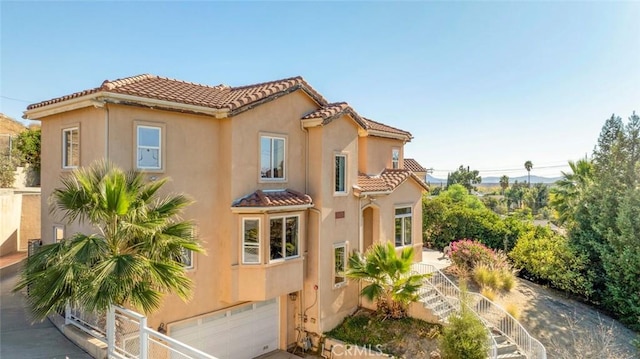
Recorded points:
(7, 171)
(546, 257)
(465, 336)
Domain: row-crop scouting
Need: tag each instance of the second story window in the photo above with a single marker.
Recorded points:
(149, 147)
(284, 240)
(395, 158)
(70, 147)
(272, 158)
(403, 226)
(340, 174)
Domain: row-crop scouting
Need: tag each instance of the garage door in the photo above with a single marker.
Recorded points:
(240, 333)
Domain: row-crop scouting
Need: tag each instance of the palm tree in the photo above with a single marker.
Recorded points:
(391, 284)
(504, 183)
(528, 166)
(133, 257)
(567, 191)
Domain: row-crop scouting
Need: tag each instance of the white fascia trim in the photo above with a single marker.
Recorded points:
(64, 106)
(312, 122)
(270, 209)
(388, 135)
(110, 97)
(375, 193)
(98, 99)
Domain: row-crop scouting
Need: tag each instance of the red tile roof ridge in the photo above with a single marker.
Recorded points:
(296, 79)
(114, 84)
(385, 125)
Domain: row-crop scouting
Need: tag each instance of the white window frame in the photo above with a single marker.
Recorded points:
(271, 158)
(66, 156)
(344, 190)
(336, 275)
(58, 232)
(158, 148)
(244, 244)
(284, 238)
(187, 253)
(403, 232)
(395, 162)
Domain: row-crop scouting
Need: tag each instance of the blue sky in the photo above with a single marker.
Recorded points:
(484, 84)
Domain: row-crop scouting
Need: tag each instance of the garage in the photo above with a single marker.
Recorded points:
(242, 332)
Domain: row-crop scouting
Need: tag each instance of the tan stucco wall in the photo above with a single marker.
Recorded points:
(377, 156)
(338, 137)
(90, 122)
(10, 205)
(408, 194)
(29, 219)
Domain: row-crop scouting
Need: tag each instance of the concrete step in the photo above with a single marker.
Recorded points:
(512, 356)
(507, 348)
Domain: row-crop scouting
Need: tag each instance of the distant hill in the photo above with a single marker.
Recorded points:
(9, 126)
(496, 180)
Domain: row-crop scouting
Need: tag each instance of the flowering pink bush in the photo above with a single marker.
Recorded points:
(466, 254)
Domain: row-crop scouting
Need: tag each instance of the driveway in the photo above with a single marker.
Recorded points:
(19, 338)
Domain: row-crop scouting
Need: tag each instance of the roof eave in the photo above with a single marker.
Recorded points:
(378, 133)
(98, 99)
(298, 207)
(312, 122)
(90, 100)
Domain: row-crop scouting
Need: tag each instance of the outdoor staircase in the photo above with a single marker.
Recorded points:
(508, 339)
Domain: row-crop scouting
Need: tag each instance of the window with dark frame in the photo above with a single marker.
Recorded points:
(341, 174)
(284, 238)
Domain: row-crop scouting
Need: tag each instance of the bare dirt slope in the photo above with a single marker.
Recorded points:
(10, 126)
(568, 328)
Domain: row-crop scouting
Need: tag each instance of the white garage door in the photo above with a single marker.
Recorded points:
(240, 333)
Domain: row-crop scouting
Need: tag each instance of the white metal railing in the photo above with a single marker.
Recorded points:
(128, 336)
(491, 314)
(93, 323)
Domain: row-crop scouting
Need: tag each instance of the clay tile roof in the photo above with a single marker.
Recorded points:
(332, 111)
(413, 165)
(271, 198)
(378, 126)
(218, 97)
(387, 181)
(327, 111)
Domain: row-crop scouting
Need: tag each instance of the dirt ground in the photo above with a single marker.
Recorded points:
(567, 328)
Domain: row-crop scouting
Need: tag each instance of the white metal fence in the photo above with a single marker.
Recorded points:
(491, 314)
(128, 336)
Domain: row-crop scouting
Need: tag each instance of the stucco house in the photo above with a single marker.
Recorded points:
(286, 185)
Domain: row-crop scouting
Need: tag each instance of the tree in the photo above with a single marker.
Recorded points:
(465, 177)
(134, 256)
(528, 166)
(392, 285)
(28, 144)
(605, 220)
(504, 183)
(569, 190)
